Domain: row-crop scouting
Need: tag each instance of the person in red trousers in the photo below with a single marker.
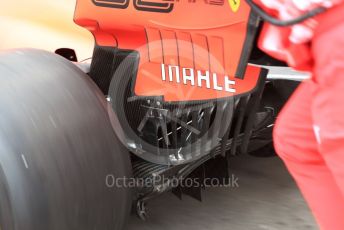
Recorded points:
(309, 133)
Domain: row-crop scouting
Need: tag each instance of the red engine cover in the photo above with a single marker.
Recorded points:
(189, 49)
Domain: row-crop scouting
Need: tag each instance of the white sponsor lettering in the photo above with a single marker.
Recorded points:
(203, 77)
(188, 76)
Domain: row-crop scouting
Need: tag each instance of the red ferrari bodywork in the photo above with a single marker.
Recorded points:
(189, 50)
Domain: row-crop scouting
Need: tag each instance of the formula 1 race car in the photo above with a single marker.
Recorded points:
(173, 91)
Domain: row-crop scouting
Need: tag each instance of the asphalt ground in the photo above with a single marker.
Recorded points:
(266, 199)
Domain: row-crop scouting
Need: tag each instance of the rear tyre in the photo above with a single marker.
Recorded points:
(57, 148)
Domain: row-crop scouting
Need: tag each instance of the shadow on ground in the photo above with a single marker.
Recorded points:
(266, 199)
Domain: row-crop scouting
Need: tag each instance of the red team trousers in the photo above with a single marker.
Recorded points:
(309, 133)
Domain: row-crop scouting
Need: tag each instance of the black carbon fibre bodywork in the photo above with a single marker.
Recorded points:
(172, 133)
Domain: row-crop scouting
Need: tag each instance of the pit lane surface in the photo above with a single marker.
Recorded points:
(266, 199)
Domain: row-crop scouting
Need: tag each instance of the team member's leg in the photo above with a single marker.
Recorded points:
(328, 102)
(296, 144)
